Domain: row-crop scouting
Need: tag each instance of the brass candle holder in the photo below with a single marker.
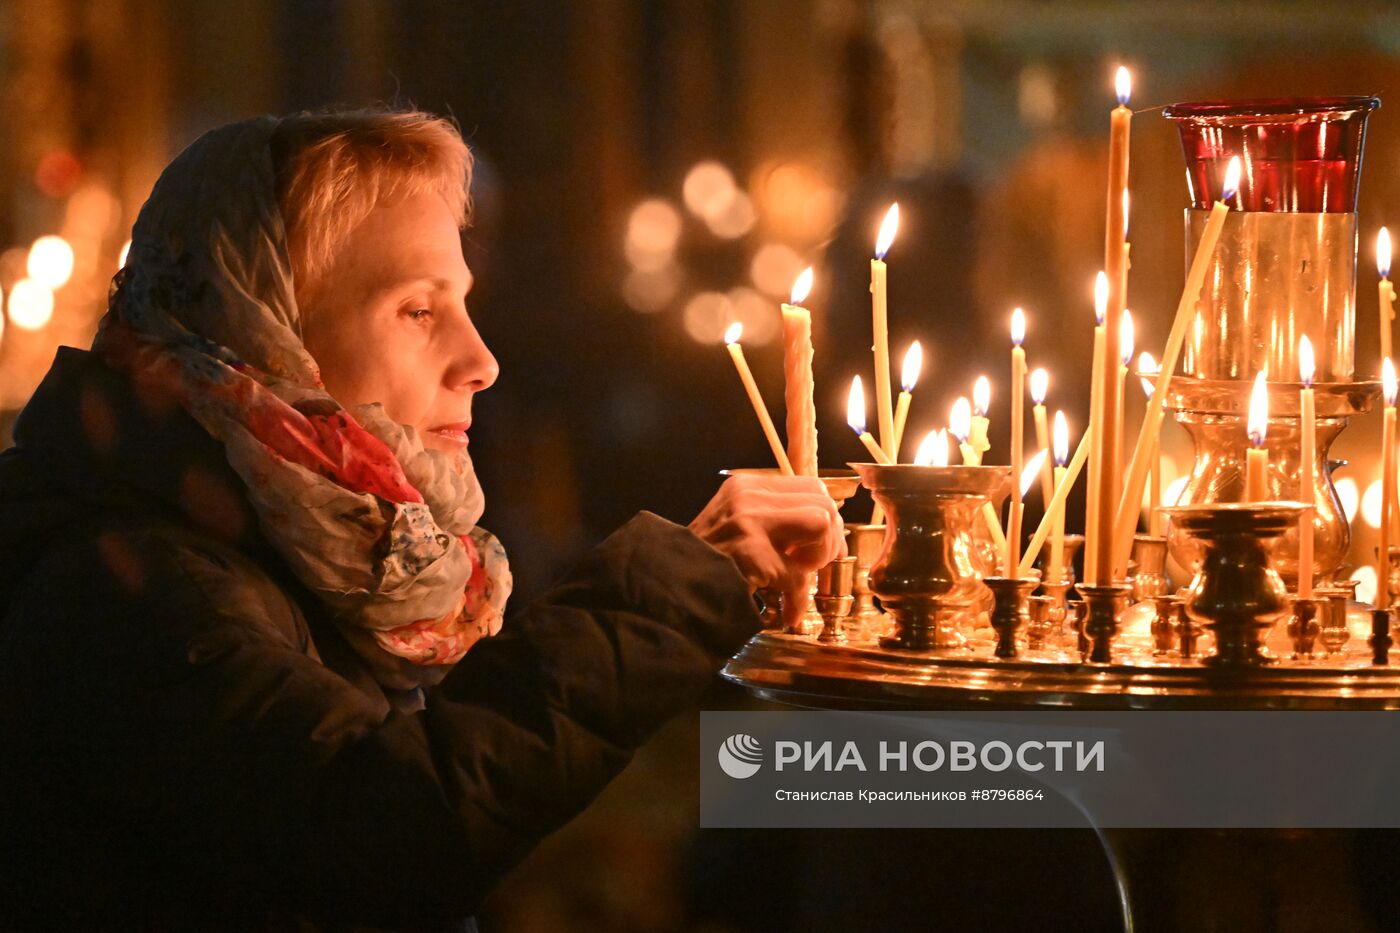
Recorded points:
(1237, 594)
(863, 542)
(1102, 605)
(926, 575)
(1009, 614)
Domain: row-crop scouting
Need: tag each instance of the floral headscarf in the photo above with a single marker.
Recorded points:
(381, 529)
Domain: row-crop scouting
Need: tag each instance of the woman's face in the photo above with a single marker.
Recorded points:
(390, 322)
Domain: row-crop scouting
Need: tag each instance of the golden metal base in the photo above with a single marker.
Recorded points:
(797, 671)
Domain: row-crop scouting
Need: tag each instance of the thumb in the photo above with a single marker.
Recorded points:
(796, 597)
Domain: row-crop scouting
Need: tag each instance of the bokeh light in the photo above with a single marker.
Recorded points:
(651, 290)
(30, 305)
(1347, 492)
(709, 190)
(1365, 577)
(1371, 505)
(707, 316)
(773, 268)
(653, 230)
(50, 261)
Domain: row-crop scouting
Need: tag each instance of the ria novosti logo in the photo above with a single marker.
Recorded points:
(740, 755)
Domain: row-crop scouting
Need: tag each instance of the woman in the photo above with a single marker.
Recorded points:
(243, 585)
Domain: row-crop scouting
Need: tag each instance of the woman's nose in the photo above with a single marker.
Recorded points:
(474, 366)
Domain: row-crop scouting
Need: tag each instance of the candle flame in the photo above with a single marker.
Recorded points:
(1258, 423)
(1031, 471)
(1018, 327)
(1149, 369)
(855, 407)
(933, 449)
(888, 227)
(734, 332)
(1123, 85)
(1040, 385)
(960, 420)
(982, 396)
(1125, 338)
(913, 365)
(1306, 364)
(1060, 439)
(1383, 253)
(1232, 179)
(1388, 381)
(1100, 299)
(802, 287)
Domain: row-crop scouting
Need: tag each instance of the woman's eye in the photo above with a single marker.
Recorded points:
(420, 314)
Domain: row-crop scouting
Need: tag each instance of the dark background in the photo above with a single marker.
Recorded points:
(986, 120)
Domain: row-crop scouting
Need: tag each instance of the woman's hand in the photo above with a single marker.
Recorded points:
(777, 530)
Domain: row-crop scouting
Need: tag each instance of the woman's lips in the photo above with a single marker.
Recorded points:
(455, 433)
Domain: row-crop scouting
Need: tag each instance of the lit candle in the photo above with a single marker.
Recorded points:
(908, 378)
(1047, 521)
(1040, 387)
(1147, 366)
(797, 372)
(981, 404)
(1018, 420)
(1130, 503)
(960, 426)
(736, 351)
(879, 304)
(1097, 403)
(1387, 291)
(855, 417)
(1107, 448)
(1387, 470)
(1256, 474)
(933, 449)
(1308, 423)
(1056, 571)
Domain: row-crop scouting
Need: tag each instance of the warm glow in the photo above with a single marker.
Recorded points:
(803, 286)
(1031, 471)
(1060, 441)
(982, 396)
(1125, 338)
(888, 228)
(855, 407)
(1371, 505)
(1040, 385)
(1346, 492)
(653, 230)
(913, 365)
(1125, 213)
(734, 332)
(1018, 327)
(50, 261)
(1387, 379)
(1123, 85)
(1232, 179)
(960, 420)
(31, 304)
(1148, 367)
(1100, 298)
(933, 449)
(1258, 423)
(1306, 365)
(708, 189)
(1383, 253)
(1365, 576)
(126, 251)
(1172, 494)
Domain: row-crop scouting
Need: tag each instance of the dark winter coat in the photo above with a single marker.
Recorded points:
(188, 743)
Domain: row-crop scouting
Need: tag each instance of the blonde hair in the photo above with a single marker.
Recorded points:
(334, 167)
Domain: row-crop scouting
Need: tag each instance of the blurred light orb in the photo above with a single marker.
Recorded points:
(1365, 577)
(736, 220)
(761, 322)
(50, 261)
(91, 211)
(774, 267)
(707, 316)
(1350, 497)
(1371, 505)
(1172, 494)
(57, 173)
(126, 251)
(30, 305)
(651, 290)
(796, 201)
(708, 190)
(653, 230)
